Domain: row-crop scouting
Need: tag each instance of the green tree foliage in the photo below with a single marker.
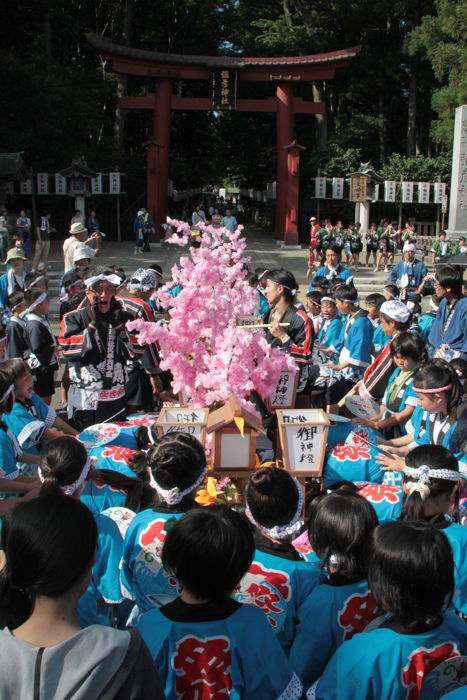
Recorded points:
(417, 168)
(441, 37)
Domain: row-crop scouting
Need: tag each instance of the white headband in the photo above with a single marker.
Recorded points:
(328, 299)
(422, 476)
(38, 279)
(111, 279)
(7, 393)
(70, 489)
(282, 532)
(42, 297)
(174, 496)
(292, 291)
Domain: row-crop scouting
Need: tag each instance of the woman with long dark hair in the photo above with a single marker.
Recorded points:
(47, 553)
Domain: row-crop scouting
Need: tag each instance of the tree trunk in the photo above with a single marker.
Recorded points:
(122, 83)
(321, 120)
(412, 114)
(47, 40)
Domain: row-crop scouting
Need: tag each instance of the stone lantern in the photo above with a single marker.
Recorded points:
(362, 192)
(78, 177)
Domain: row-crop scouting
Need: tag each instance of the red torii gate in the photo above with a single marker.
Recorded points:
(283, 71)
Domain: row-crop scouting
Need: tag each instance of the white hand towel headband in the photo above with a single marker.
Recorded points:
(282, 532)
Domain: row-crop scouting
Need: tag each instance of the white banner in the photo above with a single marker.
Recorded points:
(440, 191)
(389, 190)
(407, 192)
(60, 184)
(320, 187)
(376, 194)
(25, 187)
(423, 192)
(337, 187)
(96, 184)
(42, 183)
(114, 183)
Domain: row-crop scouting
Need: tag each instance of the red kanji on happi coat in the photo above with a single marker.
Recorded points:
(202, 668)
(421, 662)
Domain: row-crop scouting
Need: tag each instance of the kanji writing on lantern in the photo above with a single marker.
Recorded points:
(294, 419)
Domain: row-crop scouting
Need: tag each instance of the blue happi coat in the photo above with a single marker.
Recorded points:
(217, 650)
(457, 536)
(329, 616)
(277, 582)
(328, 336)
(104, 587)
(143, 577)
(450, 328)
(97, 495)
(386, 664)
(354, 345)
(28, 421)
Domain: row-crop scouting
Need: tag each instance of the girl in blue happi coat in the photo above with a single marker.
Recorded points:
(435, 420)
(10, 450)
(411, 577)
(329, 332)
(373, 303)
(353, 459)
(278, 579)
(31, 420)
(353, 345)
(204, 643)
(431, 484)
(64, 467)
(340, 528)
(176, 468)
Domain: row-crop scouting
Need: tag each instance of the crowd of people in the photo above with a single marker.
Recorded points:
(381, 243)
(116, 583)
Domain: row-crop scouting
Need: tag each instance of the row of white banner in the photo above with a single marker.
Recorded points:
(407, 190)
(97, 184)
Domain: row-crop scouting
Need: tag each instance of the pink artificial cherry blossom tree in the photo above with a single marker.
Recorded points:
(209, 356)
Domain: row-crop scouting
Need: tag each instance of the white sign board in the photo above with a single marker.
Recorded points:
(42, 183)
(337, 187)
(320, 187)
(246, 321)
(96, 184)
(407, 192)
(389, 190)
(423, 192)
(60, 184)
(286, 390)
(114, 183)
(26, 186)
(440, 191)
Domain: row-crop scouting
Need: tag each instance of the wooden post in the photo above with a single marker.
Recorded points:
(160, 153)
(284, 128)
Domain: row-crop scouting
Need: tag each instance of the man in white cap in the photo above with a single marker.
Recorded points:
(96, 343)
(143, 380)
(409, 273)
(78, 237)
